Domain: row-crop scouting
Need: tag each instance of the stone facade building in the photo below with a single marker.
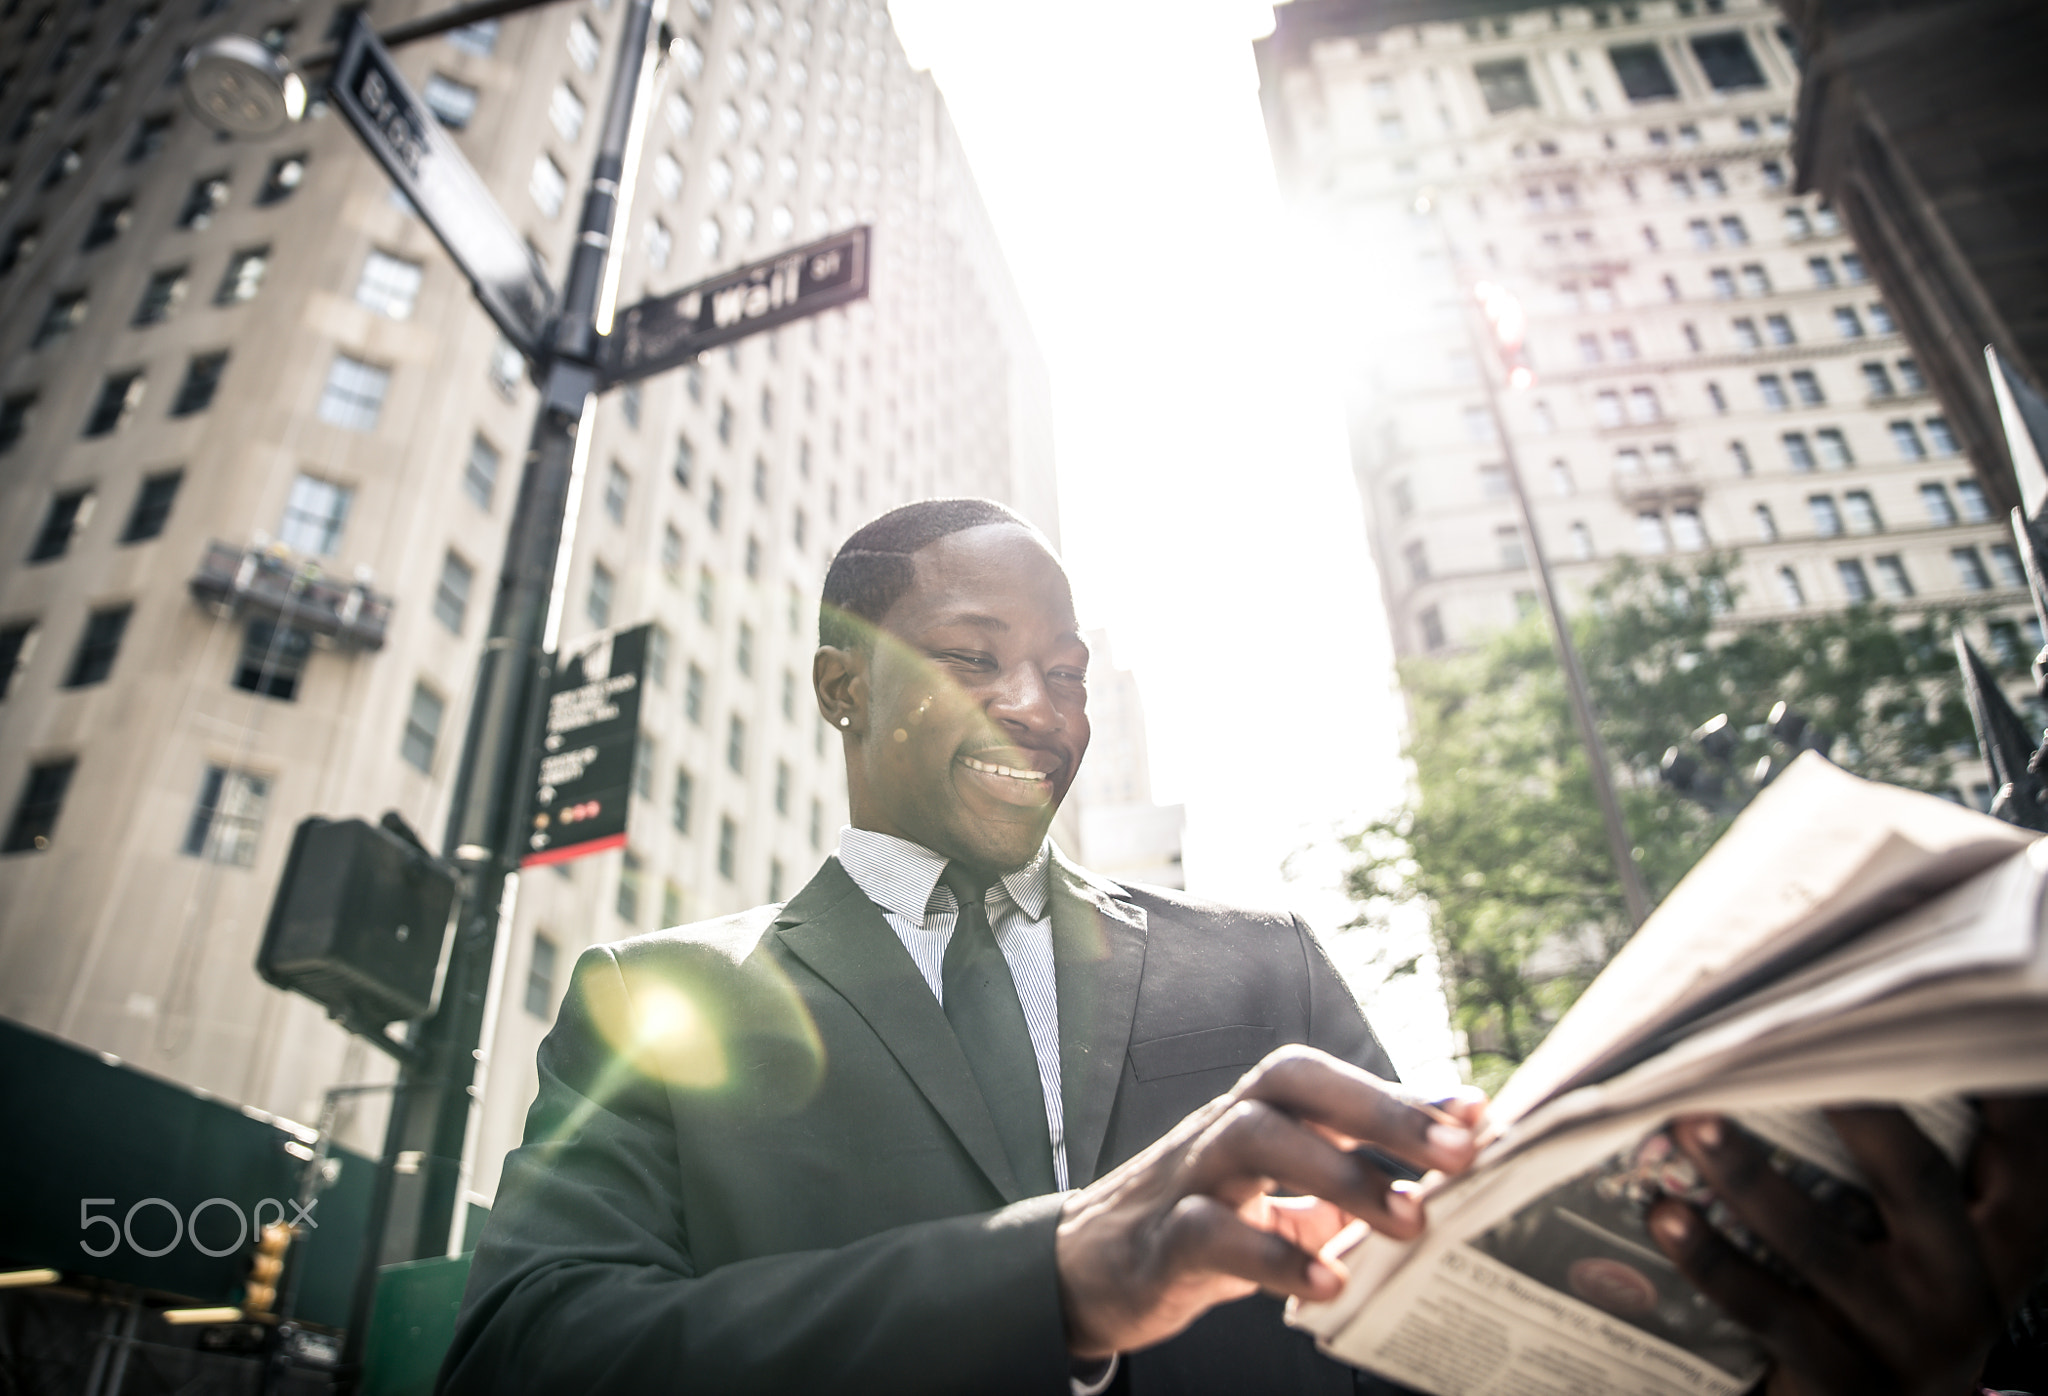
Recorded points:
(260, 447)
(1714, 365)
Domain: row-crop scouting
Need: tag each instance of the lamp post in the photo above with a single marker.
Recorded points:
(247, 92)
(1501, 339)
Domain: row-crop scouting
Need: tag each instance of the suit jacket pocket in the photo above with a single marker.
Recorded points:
(1238, 1045)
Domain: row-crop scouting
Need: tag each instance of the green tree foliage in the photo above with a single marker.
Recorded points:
(1501, 839)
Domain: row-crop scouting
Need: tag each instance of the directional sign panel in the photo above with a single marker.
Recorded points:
(419, 156)
(663, 332)
(584, 782)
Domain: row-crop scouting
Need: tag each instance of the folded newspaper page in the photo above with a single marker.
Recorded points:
(1845, 942)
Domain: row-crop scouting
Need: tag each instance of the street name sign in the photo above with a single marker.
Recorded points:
(663, 332)
(584, 781)
(430, 169)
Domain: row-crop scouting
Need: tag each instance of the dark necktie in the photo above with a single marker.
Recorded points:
(982, 1005)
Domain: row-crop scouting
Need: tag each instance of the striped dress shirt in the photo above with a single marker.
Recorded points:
(902, 879)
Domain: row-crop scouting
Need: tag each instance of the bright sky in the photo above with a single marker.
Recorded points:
(1208, 512)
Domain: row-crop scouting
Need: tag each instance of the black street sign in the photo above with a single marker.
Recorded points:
(431, 171)
(585, 779)
(665, 331)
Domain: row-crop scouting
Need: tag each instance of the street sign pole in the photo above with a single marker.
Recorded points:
(412, 1214)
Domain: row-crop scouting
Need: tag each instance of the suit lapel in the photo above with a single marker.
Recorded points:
(833, 928)
(1098, 940)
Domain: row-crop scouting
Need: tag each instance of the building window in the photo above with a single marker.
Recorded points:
(1772, 389)
(1651, 534)
(272, 660)
(682, 800)
(507, 366)
(817, 823)
(728, 847)
(14, 412)
(657, 656)
(1970, 573)
(1861, 512)
(1766, 524)
(1834, 449)
(1881, 320)
(202, 380)
(388, 285)
(1906, 437)
(353, 395)
(480, 472)
(66, 517)
(1780, 330)
(480, 38)
(1505, 85)
(1643, 405)
(1723, 283)
(17, 644)
(149, 138)
(286, 174)
(1607, 408)
(753, 556)
(1827, 520)
(548, 185)
(42, 800)
(152, 506)
(1431, 623)
(160, 296)
(1855, 582)
(743, 654)
(451, 594)
(1909, 374)
(671, 552)
(1746, 336)
(1878, 381)
(1806, 387)
(1940, 511)
(1687, 532)
(452, 103)
(659, 241)
(618, 489)
(597, 604)
(422, 728)
(1892, 580)
(315, 513)
(565, 110)
(1976, 508)
(736, 744)
(1789, 589)
(693, 695)
(2006, 559)
(244, 276)
(643, 766)
(1733, 230)
(1755, 282)
(583, 44)
(227, 818)
(782, 782)
(93, 660)
(1943, 439)
(1417, 558)
(1581, 542)
(668, 175)
(1797, 225)
(707, 594)
(63, 314)
(1727, 61)
(1643, 73)
(109, 221)
(119, 395)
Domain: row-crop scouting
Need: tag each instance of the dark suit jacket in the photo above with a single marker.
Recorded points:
(758, 1161)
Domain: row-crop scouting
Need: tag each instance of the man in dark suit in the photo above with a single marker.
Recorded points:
(961, 1116)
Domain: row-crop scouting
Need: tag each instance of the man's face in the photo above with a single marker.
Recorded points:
(976, 713)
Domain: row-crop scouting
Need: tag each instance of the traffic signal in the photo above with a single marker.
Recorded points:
(1510, 331)
(266, 1269)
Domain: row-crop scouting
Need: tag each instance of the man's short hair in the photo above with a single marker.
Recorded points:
(873, 567)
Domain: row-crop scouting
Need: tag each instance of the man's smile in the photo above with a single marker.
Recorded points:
(1016, 778)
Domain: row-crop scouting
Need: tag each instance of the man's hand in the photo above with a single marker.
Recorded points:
(1913, 1313)
(1191, 1222)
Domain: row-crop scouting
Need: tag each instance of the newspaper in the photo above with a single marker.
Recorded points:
(1844, 942)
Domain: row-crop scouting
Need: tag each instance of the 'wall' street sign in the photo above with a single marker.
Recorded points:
(430, 169)
(584, 781)
(665, 331)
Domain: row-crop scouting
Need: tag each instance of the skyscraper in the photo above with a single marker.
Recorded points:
(261, 447)
(1713, 366)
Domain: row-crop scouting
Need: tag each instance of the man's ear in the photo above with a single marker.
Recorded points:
(840, 679)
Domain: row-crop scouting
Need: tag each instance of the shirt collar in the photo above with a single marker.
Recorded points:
(898, 875)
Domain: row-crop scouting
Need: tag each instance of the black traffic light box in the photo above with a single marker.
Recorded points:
(360, 921)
